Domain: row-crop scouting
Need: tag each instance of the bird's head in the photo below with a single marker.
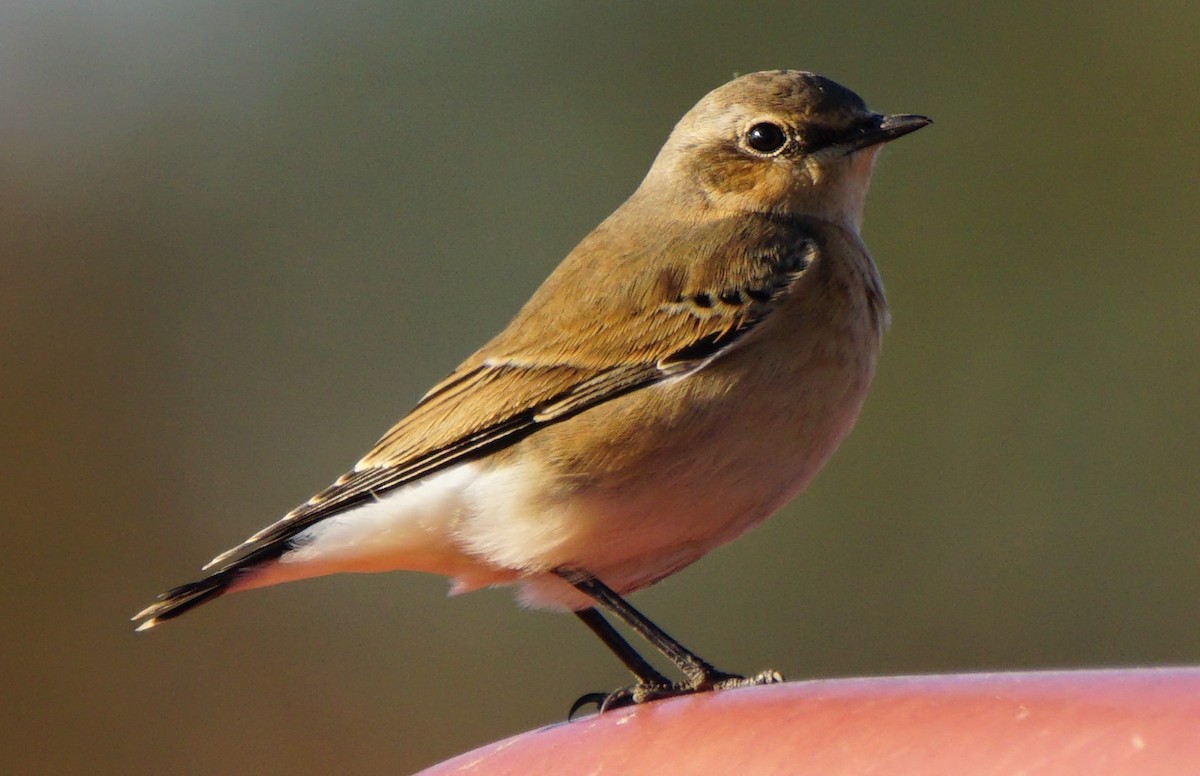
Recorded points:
(782, 141)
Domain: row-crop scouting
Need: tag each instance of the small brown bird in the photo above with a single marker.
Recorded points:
(684, 372)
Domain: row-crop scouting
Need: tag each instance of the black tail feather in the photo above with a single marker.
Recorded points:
(184, 598)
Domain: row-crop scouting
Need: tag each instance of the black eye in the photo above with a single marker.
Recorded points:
(766, 138)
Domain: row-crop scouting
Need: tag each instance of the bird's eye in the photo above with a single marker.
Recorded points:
(766, 138)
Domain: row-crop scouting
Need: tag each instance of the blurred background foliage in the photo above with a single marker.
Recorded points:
(238, 240)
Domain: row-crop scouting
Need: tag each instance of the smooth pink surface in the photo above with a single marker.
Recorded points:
(1134, 721)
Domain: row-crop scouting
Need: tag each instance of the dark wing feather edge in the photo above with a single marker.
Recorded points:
(578, 389)
(369, 482)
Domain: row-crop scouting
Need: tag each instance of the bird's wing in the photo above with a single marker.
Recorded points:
(604, 344)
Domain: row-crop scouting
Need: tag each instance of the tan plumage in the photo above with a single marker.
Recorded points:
(516, 383)
(685, 370)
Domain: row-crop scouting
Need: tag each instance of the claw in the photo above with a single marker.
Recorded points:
(645, 693)
(587, 699)
(624, 696)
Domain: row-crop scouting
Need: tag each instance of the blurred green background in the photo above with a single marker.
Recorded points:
(238, 240)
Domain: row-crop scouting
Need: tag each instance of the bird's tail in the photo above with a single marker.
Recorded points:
(181, 599)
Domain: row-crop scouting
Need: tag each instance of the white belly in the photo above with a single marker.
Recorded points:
(481, 525)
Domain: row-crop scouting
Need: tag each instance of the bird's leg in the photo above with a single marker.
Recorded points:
(637, 664)
(648, 677)
(700, 675)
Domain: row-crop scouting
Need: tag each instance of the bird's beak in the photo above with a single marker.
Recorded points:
(882, 129)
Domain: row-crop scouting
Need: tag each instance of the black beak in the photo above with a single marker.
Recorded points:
(883, 129)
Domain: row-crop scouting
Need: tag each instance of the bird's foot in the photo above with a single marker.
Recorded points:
(723, 681)
(645, 692)
(642, 692)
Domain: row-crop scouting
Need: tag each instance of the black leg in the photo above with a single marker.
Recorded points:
(644, 672)
(649, 681)
(689, 663)
(700, 675)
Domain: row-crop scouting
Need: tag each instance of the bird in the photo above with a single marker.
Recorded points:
(682, 374)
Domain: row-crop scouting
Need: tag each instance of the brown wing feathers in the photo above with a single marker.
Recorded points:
(502, 394)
